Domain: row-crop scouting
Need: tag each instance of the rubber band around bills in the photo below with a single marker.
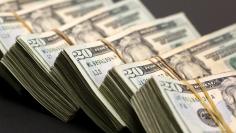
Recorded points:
(22, 21)
(64, 36)
(213, 106)
(212, 109)
(110, 46)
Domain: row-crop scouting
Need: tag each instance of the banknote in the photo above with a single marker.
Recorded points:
(189, 114)
(153, 38)
(44, 17)
(92, 63)
(136, 74)
(94, 60)
(39, 51)
(8, 5)
(211, 54)
(154, 29)
(84, 7)
(125, 80)
(15, 5)
(92, 27)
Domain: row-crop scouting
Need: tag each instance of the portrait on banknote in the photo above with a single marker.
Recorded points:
(188, 66)
(86, 32)
(229, 94)
(9, 6)
(133, 48)
(44, 20)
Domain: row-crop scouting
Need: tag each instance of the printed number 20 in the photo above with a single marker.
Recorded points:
(133, 72)
(36, 42)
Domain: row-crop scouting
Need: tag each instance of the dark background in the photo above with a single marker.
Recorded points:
(23, 115)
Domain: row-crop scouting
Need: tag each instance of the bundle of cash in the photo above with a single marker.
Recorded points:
(15, 5)
(83, 68)
(162, 35)
(101, 57)
(123, 81)
(40, 18)
(157, 37)
(32, 57)
(162, 102)
(211, 54)
(44, 17)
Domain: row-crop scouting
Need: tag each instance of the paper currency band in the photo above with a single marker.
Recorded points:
(22, 21)
(110, 46)
(64, 36)
(212, 110)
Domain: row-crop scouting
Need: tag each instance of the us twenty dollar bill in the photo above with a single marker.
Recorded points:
(189, 114)
(212, 54)
(140, 38)
(125, 80)
(94, 60)
(157, 37)
(15, 5)
(136, 74)
(41, 18)
(96, 25)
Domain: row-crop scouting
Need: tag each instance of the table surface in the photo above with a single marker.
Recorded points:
(23, 115)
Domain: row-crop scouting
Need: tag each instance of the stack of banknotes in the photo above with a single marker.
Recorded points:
(162, 101)
(122, 66)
